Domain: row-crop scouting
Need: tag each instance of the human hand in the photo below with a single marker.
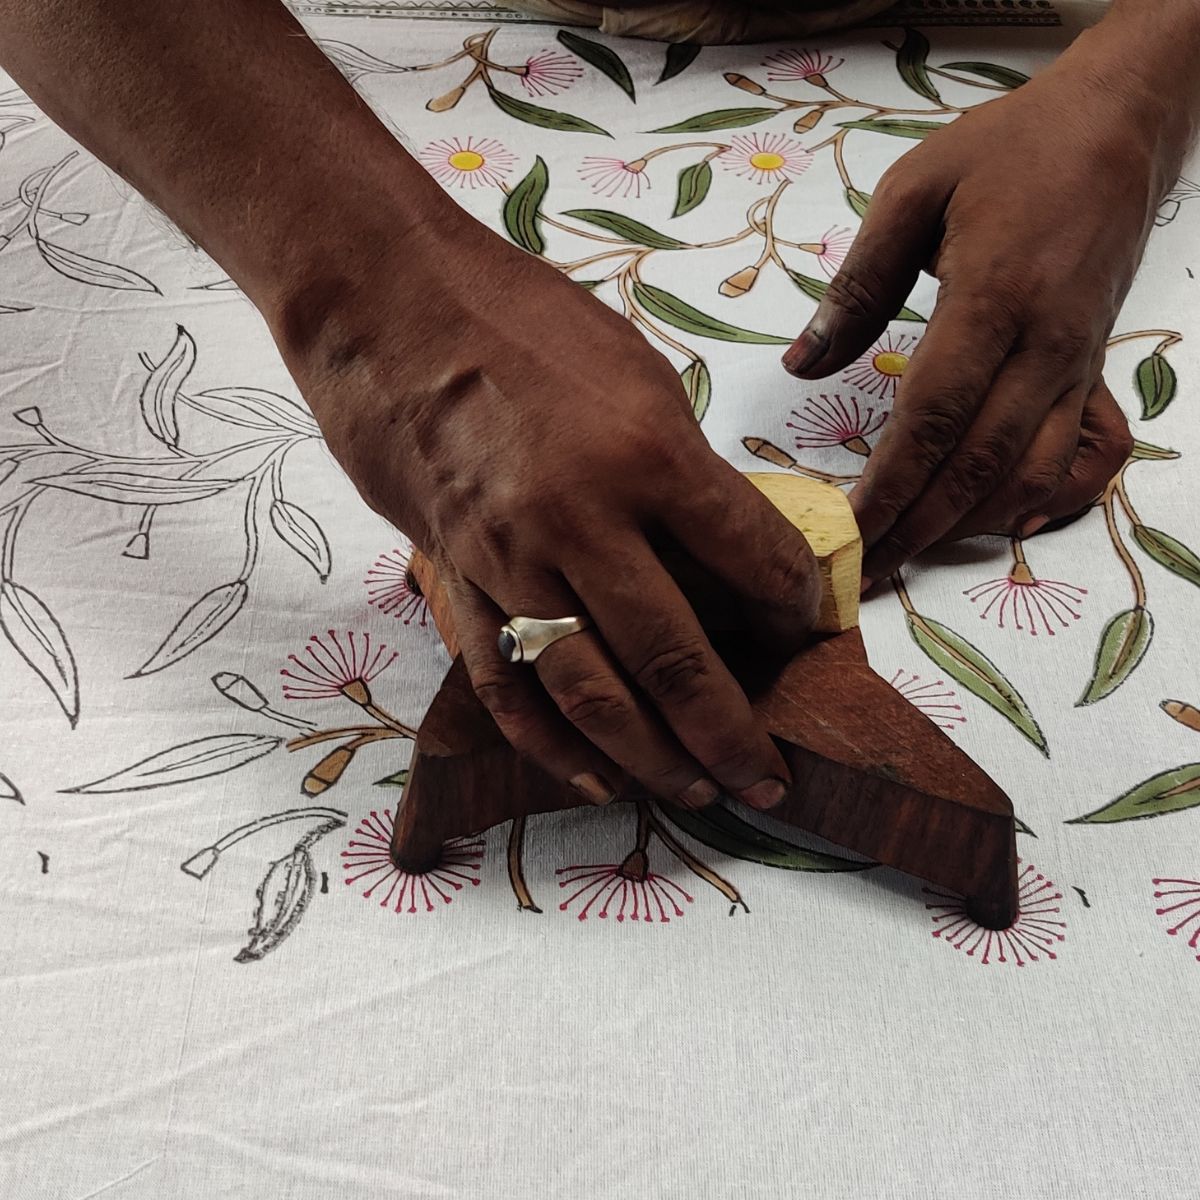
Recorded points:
(532, 443)
(1033, 212)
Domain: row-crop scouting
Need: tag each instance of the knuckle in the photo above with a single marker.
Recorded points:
(500, 694)
(897, 547)
(675, 675)
(1038, 483)
(596, 705)
(1065, 347)
(732, 758)
(855, 292)
(976, 472)
(901, 188)
(789, 577)
(939, 429)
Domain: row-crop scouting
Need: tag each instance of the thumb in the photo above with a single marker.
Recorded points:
(898, 237)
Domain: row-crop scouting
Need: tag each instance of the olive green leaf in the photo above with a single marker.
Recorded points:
(727, 833)
(1168, 552)
(694, 182)
(680, 56)
(906, 127)
(399, 779)
(600, 57)
(1167, 792)
(698, 384)
(627, 228)
(1156, 382)
(589, 285)
(911, 60)
(977, 673)
(1122, 645)
(720, 118)
(523, 208)
(674, 311)
(816, 289)
(1004, 76)
(546, 118)
(858, 200)
(1146, 451)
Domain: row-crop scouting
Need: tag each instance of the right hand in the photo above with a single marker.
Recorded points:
(531, 442)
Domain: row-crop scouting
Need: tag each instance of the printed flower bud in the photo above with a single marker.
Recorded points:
(636, 866)
(810, 120)
(858, 445)
(745, 83)
(768, 451)
(200, 864)
(239, 690)
(29, 416)
(448, 101)
(636, 166)
(818, 80)
(327, 772)
(739, 283)
(138, 546)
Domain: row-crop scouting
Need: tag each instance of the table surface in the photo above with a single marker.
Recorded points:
(211, 981)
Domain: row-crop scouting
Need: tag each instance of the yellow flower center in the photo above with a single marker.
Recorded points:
(890, 362)
(466, 160)
(766, 161)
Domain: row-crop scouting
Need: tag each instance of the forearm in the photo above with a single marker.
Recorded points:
(227, 117)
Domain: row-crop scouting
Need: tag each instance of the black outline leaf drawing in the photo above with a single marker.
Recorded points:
(1123, 645)
(355, 63)
(161, 389)
(523, 208)
(92, 271)
(1167, 792)
(301, 532)
(37, 637)
(135, 487)
(197, 759)
(9, 790)
(605, 60)
(282, 898)
(204, 620)
(254, 408)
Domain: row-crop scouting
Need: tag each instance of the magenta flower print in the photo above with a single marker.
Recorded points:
(801, 65)
(626, 890)
(937, 701)
(548, 72)
(1032, 937)
(338, 664)
(367, 860)
(1182, 908)
(393, 590)
(1027, 604)
(834, 245)
(615, 176)
(765, 157)
(879, 371)
(474, 164)
(835, 421)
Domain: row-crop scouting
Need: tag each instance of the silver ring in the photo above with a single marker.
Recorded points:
(524, 638)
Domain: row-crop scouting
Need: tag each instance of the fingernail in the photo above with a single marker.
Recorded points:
(1033, 525)
(765, 794)
(593, 789)
(699, 794)
(804, 352)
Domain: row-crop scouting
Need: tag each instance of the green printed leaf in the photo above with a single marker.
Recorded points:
(601, 57)
(1167, 792)
(911, 62)
(898, 127)
(694, 182)
(627, 228)
(589, 285)
(698, 383)
(523, 208)
(1168, 552)
(680, 56)
(1150, 453)
(976, 672)
(1022, 827)
(674, 311)
(1122, 645)
(720, 118)
(546, 118)
(727, 833)
(816, 289)
(399, 779)
(858, 200)
(1155, 381)
(1004, 76)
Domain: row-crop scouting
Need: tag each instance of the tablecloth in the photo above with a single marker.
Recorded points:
(212, 981)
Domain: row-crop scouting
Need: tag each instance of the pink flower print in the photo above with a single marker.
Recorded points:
(879, 371)
(835, 244)
(1031, 937)
(834, 421)
(548, 72)
(336, 665)
(1029, 605)
(1182, 908)
(765, 157)
(795, 65)
(615, 176)
(627, 889)
(369, 859)
(393, 590)
(454, 163)
(937, 701)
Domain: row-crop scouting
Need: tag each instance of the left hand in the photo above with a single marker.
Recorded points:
(1033, 212)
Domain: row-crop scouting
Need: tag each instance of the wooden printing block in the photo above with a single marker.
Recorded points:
(870, 772)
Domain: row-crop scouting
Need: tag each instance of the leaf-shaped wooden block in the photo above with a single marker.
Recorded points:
(692, 188)
(37, 637)
(726, 832)
(720, 118)
(1122, 646)
(1169, 552)
(911, 62)
(523, 208)
(545, 118)
(204, 620)
(302, 533)
(136, 487)
(282, 898)
(1156, 383)
(698, 383)
(1005, 76)
(680, 56)
(676, 312)
(604, 59)
(161, 389)
(196, 759)
(816, 289)
(968, 665)
(1167, 792)
(92, 271)
(626, 227)
(905, 127)
(254, 408)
